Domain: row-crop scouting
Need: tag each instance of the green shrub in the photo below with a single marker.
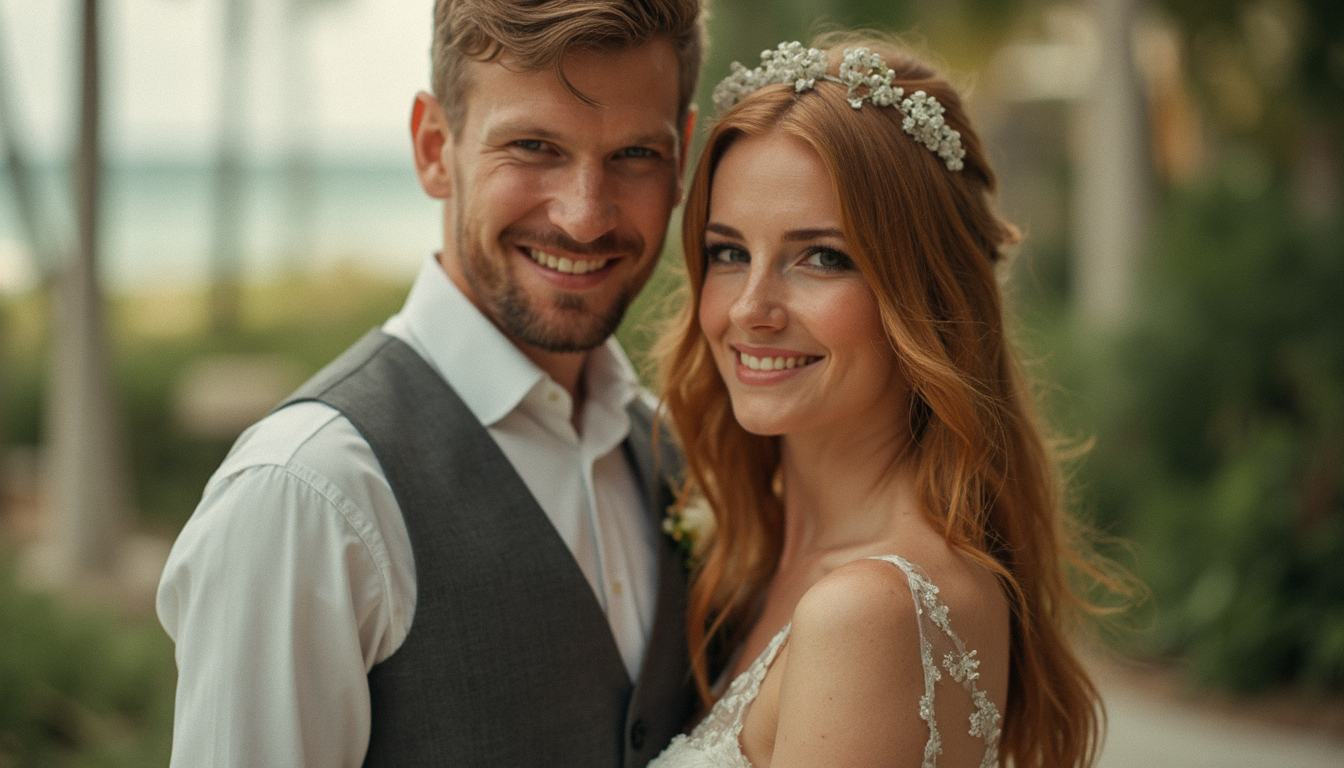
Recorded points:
(304, 319)
(80, 687)
(1220, 454)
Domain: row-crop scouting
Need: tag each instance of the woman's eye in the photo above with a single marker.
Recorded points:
(827, 258)
(723, 253)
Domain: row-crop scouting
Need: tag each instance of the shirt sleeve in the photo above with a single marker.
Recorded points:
(278, 608)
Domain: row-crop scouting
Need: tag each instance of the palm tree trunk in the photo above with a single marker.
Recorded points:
(88, 490)
(300, 184)
(1111, 194)
(226, 247)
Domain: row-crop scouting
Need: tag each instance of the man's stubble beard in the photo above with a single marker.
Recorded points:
(579, 327)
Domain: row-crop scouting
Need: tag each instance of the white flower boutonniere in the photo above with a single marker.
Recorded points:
(690, 523)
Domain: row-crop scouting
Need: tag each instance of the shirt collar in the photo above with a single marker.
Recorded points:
(612, 384)
(481, 364)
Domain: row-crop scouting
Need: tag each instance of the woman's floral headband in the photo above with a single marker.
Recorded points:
(865, 75)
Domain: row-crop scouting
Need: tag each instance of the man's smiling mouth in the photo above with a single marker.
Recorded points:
(564, 264)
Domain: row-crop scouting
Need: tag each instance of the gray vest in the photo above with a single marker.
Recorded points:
(509, 660)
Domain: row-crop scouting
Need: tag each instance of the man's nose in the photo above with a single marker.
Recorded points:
(584, 206)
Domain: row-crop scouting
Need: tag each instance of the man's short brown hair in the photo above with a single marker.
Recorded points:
(535, 34)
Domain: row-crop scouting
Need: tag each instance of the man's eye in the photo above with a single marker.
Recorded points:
(638, 153)
(531, 145)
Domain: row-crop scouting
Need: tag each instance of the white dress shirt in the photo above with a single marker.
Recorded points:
(295, 574)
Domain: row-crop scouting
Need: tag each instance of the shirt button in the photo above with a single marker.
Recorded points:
(637, 735)
(616, 588)
(553, 396)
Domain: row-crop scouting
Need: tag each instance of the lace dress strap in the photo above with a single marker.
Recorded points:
(745, 688)
(936, 630)
(714, 742)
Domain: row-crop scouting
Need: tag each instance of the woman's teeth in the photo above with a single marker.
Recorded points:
(565, 265)
(775, 363)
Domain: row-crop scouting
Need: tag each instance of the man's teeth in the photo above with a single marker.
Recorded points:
(562, 264)
(775, 363)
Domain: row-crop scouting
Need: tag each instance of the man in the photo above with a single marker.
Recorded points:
(444, 548)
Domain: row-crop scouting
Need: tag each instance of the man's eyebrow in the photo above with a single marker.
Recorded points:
(660, 137)
(526, 128)
(533, 130)
(793, 235)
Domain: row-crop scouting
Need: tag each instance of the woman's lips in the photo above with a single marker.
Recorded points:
(775, 362)
(768, 365)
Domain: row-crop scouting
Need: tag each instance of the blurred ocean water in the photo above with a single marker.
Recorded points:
(157, 223)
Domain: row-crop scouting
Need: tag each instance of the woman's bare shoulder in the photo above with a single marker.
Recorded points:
(866, 606)
(870, 588)
(851, 685)
(854, 676)
(859, 622)
(861, 594)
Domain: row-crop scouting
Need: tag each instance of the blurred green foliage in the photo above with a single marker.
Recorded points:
(306, 320)
(80, 687)
(1315, 77)
(1220, 438)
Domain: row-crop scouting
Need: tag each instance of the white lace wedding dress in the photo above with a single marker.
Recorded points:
(714, 742)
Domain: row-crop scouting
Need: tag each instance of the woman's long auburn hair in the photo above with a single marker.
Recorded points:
(927, 240)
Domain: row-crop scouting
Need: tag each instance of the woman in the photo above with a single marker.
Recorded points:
(889, 559)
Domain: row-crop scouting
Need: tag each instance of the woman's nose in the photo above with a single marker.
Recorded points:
(760, 306)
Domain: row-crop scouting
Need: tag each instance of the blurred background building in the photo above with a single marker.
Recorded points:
(202, 201)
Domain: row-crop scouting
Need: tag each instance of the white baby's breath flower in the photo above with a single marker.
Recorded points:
(867, 78)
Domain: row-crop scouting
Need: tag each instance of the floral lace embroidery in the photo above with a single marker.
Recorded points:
(959, 663)
(714, 743)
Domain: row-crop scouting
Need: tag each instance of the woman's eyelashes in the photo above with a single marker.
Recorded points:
(828, 259)
(816, 257)
(725, 253)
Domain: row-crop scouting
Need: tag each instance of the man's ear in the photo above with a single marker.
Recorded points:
(687, 133)
(431, 140)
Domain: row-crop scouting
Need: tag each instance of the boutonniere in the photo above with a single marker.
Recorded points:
(690, 523)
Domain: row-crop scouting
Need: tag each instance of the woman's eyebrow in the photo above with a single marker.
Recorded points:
(795, 235)
(723, 229)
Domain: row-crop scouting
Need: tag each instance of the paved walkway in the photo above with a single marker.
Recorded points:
(1150, 731)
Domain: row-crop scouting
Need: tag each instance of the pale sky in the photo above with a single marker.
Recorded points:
(362, 62)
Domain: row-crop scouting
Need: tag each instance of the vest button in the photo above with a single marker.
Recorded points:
(637, 735)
